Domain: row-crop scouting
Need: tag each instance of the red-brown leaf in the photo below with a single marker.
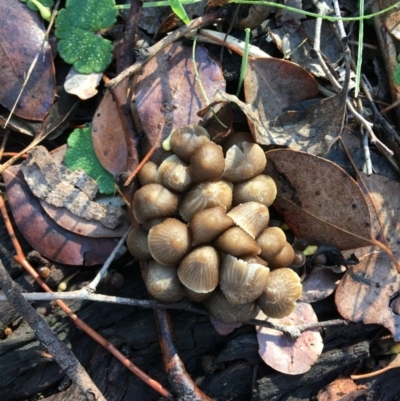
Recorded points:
(21, 36)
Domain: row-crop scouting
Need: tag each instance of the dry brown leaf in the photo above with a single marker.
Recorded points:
(391, 19)
(271, 85)
(340, 389)
(365, 292)
(313, 131)
(319, 201)
(167, 93)
(108, 136)
(44, 235)
(21, 35)
(292, 357)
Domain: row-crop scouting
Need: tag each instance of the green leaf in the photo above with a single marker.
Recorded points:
(178, 9)
(76, 28)
(80, 154)
(396, 74)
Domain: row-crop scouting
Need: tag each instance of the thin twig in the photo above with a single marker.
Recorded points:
(58, 350)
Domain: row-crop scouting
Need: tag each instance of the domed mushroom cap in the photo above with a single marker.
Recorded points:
(173, 173)
(205, 196)
(162, 282)
(261, 188)
(281, 292)
(184, 141)
(226, 312)
(240, 281)
(207, 163)
(147, 174)
(169, 242)
(207, 224)
(235, 241)
(284, 258)
(271, 241)
(253, 217)
(138, 245)
(237, 138)
(199, 270)
(153, 200)
(243, 164)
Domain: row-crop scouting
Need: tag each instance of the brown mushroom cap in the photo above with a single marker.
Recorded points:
(261, 188)
(169, 242)
(173, 173)
(207, 224)
(205, 196)
(147, 174)
(207, 163)
(271, 241)
(253, 217)
(137, 244)
(162, 282)
(184, 141)
(240, 281)
(284, 258)
(235, 241)
(243, 164)
(237, 138)
(281, 292)
(153, 200)
(199, 270)
(226, 312)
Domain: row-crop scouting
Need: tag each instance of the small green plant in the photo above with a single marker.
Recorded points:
(396, 72)
(43, 6)
(77, 27)
(80, 154)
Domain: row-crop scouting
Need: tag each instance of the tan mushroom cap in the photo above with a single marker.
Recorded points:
(199, 270)
(184, 141)
(235, 241)
(137, 243)
(281, 292)
(207, 224)
(271, 241)
(173, 174)
(162, 282)
(242, 282)
(261, 188)
(147, 174)
(284, 258)
(243, 164)
(205, 196)
(226, 312)
(253, 217)
(207, 163)
(154, 200)
(237, 138)
(169, 242)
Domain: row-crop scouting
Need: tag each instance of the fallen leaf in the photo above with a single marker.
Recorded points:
(292, 357)
(340, 389)
(44, 235)
(271, 85)
(321, 283)
(365, 292)
(21, 36)
(319, 201)
(108, 136)
(313, 130)
(167, 93)
(82, 85)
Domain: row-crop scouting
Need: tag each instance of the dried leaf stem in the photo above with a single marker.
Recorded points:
(21, 260)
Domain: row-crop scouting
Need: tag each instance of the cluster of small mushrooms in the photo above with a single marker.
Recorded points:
(204, 229)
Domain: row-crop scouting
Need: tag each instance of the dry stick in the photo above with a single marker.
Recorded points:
(155, 49)
(180, 381)
(59, 351)
(20, 259)
(4, 142)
